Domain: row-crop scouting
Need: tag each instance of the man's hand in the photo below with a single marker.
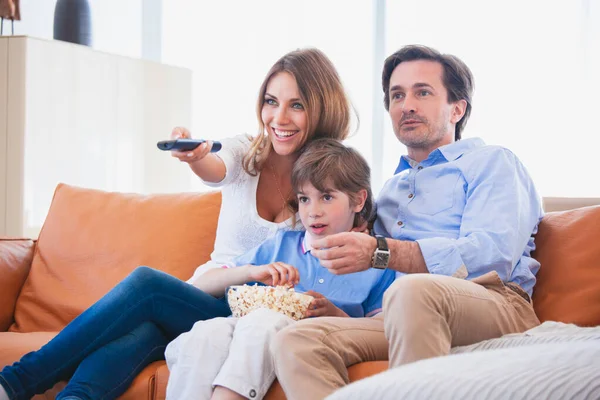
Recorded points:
(275, 274)
(321, 307)
(346, 252)
(363, 228)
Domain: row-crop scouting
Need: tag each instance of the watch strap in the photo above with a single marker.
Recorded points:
(381, 243)
(381, 255)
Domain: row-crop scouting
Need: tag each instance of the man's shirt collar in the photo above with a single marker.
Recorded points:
(454, 150)
(450, 152)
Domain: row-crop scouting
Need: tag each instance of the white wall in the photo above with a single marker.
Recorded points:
(116, 24)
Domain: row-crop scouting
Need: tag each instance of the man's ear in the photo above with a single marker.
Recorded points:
(360, 199)
(458, 111)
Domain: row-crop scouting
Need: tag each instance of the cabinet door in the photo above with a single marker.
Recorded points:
(70, 122)
(15, 125)
(3, 138)
(89, 119)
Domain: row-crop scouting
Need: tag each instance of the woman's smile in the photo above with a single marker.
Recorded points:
(283, 134)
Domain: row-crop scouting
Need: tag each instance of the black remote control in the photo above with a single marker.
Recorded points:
(186, 145)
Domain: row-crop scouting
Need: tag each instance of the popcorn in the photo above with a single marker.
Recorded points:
(244, 299)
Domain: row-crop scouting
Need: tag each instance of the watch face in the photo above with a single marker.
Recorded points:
(381, 259)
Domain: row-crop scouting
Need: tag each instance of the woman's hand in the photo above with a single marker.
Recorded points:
(275, 274)
(320, 307)
(189, 156)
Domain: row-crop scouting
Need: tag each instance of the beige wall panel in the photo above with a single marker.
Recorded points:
(3, 126)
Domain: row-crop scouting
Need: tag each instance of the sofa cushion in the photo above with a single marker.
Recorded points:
(568, 282)
(14, 345)
(355, 372)
(92, 239)
(15, 262)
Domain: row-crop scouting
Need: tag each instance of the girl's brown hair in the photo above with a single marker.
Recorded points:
(328, 164)
(325, 101)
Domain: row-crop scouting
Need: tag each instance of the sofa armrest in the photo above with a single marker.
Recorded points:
(15, 262)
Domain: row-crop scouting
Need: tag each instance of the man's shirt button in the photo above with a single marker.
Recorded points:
(400, 223)
(321, 280)
(410, 196)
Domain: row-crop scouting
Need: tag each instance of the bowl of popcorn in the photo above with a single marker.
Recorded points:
(244, 299)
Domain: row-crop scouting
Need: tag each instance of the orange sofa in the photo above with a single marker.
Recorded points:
(92, 239)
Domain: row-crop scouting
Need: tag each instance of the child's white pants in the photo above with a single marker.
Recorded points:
(229, 352)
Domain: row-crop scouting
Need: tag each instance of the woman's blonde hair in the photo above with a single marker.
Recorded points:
(322, 93)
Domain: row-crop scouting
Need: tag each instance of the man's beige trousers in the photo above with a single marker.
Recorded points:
(423, 316)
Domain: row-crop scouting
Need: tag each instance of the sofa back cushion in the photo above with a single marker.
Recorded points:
(92, 239)
(15, 262)
(568, 283)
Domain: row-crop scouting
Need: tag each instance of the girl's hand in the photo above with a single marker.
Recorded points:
(275, 274)
(192, 155)
(320, 307)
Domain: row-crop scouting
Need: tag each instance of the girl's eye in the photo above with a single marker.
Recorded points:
(270, 102)
(302, 199)
(298, 106)
(327, 197)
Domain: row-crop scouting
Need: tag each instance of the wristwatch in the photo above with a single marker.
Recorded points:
(381, 255)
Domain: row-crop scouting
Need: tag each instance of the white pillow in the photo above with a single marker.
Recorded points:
(542, 371)
(548, 332)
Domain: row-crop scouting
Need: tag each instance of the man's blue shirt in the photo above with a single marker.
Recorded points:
(468, 205)
(358, 295)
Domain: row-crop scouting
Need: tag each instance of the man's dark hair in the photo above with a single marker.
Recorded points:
(457, 77)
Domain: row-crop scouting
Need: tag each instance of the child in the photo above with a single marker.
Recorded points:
(231, 355)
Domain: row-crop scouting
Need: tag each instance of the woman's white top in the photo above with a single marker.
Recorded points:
(240, 228)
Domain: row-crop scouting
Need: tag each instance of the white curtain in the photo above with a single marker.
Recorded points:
(535, 64)
(537, 86)
(230, 46)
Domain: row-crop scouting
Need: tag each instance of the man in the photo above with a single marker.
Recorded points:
(457, 221)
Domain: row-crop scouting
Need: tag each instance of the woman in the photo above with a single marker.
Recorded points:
(104, 348)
